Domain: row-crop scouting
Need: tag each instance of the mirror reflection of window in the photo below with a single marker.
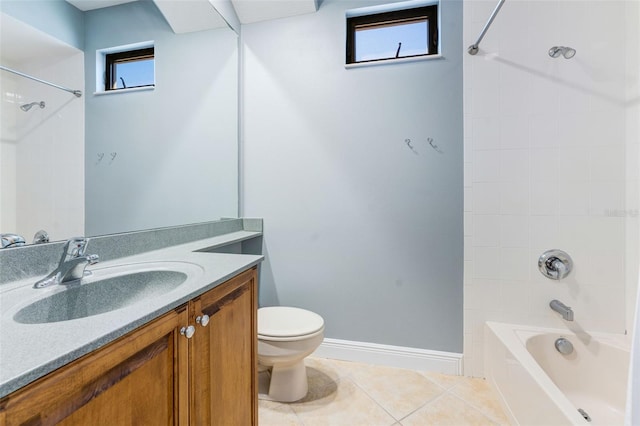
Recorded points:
(397, 40)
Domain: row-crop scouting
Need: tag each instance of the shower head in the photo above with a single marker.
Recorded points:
(567, 52)
(27, 107)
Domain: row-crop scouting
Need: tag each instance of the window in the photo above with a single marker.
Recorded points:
(392, 35)
(129, 69)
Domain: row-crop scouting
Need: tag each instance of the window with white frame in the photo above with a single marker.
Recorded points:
(123, 68)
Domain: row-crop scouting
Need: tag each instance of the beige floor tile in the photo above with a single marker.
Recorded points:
(397, 390)
(479, 394)
(447, 381)
(341, 403)
(355, 394)
(335, 369)
(447, 410)
(276, 414)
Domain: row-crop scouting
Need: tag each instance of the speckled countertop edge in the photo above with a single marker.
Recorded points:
(29, 351)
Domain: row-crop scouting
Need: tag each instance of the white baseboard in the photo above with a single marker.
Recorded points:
(391, 356)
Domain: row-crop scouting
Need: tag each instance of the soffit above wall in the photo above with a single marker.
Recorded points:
(182, 16)
(190, 16)
(197, 15)
(34, 46)
(250, 11)
(85, 5)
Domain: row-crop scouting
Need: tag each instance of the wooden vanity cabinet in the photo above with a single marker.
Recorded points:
(224, 354)
(135, 380)
(155, 375)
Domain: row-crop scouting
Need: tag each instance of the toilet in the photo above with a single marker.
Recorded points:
(287, 335)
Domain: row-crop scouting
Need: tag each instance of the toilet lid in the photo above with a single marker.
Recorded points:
(283, 321)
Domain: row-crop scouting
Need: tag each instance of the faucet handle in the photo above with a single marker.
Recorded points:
(41, 237)
(555, 264)
(74, 247)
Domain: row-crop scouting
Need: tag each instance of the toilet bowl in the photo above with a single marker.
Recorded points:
(286, 336)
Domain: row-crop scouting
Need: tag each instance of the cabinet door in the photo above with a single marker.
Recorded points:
(132, 381)
(223, 355)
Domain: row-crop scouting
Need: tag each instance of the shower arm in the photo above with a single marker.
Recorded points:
(473, 49)
(77, 93)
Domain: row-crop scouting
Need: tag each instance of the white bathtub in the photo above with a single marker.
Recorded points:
(540, 386)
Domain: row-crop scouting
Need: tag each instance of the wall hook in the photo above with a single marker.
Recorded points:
(434, 146)
(411, 147)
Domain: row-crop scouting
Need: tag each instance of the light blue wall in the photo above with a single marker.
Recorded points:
(55, 17)
(176, 146)
(358, 227)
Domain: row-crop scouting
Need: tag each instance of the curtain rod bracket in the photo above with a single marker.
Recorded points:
(474, 48)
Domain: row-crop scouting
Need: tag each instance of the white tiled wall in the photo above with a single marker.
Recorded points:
(551, 161)
(632, 130)
(42, 150)
(8, 145)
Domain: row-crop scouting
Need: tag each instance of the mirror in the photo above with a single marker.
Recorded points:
(118, 162)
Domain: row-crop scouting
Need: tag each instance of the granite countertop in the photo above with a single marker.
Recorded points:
(29, 351)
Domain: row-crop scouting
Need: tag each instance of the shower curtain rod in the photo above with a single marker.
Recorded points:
(77, 93)
(473, 49)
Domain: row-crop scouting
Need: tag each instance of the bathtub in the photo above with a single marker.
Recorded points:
(540, 386)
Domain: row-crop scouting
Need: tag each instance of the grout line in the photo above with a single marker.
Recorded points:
(374, 400)
(446, 389)
(494, 397)
(298, 418)
(344, 372)
(431, 401)
(425, 403)
(491, 418)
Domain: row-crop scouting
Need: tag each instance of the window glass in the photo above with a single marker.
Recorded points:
(128, 69)
(392, 41)
(403, 33)
(134, 74)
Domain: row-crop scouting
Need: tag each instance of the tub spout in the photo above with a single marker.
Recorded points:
(562, 309)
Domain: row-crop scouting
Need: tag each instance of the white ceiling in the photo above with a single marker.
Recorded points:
(249, 11)
(189, 16)
(194, 15)
(182, 15)
(85, 5)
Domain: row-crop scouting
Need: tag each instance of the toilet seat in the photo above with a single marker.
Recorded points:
(284, 323)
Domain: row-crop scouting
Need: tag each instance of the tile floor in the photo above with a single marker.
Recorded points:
(354, 394)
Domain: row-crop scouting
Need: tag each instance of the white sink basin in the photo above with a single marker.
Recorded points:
(106, 290)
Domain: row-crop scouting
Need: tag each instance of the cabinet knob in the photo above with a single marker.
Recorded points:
(188, 332)
(202, 320)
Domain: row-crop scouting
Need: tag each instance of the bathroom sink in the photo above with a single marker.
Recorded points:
(104, 292)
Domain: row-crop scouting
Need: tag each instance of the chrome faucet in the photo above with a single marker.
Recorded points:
(562, 309)
(555, 264)
(11, 240)
(41, 237)
(72, 264)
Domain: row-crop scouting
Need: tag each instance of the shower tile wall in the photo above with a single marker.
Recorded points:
(8, 111)
(42, 150)
(551, 160)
